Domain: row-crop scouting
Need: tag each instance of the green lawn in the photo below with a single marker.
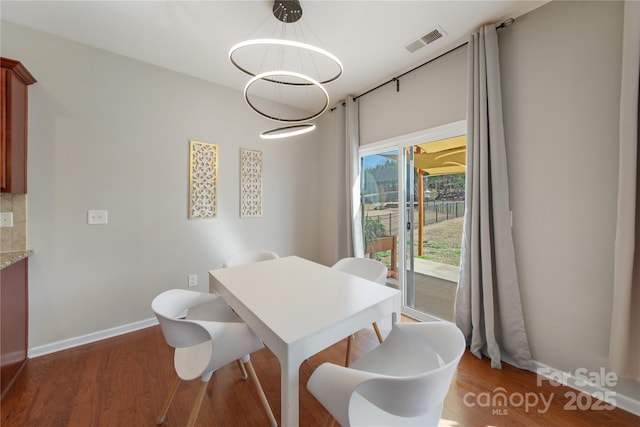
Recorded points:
(442, 252)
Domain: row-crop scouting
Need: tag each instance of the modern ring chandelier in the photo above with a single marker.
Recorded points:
(286, 72)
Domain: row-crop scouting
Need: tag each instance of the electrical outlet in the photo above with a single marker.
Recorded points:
(97, 217)
(193, 280)
(6, 219)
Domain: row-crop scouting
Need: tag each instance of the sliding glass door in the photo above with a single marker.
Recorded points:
(416, 228)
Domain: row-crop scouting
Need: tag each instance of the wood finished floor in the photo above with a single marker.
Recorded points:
(123, 381)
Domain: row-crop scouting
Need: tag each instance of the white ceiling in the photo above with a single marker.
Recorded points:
(194, 37)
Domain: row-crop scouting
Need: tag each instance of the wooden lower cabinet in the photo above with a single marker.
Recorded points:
(13, 323)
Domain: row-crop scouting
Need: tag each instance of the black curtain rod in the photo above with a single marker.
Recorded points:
(396, 79)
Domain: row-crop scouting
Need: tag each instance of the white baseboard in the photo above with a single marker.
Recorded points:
(622, 401)
(89, 338)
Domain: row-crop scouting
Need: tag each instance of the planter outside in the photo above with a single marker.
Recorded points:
(386, 243)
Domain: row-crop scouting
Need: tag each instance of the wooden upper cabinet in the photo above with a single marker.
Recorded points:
(14, 82)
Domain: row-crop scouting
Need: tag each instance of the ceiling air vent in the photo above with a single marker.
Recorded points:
(430, 37)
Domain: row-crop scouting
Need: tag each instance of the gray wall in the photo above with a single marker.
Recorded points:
(108, 132)
(430, 96)
(333, 194)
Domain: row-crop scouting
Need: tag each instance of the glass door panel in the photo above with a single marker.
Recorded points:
(379, 198)
(435, 189)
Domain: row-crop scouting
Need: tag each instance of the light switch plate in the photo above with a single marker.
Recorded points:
(6, 219)
(95, 217)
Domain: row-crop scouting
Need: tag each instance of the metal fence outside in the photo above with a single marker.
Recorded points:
(434, 212)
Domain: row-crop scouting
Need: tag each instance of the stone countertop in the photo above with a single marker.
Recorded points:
(9, 258)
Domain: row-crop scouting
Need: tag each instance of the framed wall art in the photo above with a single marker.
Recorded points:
(250, 183)
(203, 180)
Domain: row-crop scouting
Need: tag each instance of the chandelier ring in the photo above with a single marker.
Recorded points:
(268, 76)
(284, 43)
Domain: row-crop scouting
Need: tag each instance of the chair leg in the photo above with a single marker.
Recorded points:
(244, 371)
(167, 402)
(378, 334)
(263, 398)
(197, 403)
(347, 360)
(348, 357)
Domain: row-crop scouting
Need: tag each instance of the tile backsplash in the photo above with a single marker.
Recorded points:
(14, 238)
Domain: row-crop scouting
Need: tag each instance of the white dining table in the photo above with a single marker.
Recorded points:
(298, 308)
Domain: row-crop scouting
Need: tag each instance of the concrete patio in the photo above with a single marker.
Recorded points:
(435, 288)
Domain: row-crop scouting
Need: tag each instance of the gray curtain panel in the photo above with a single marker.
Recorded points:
(488, 305)
(354, 208)
(624, 344)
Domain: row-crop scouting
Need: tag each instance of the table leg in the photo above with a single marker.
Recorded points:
(290, 388)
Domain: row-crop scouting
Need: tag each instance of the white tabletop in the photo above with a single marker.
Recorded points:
(298, 308)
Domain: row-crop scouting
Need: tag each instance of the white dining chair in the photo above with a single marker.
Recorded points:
(206, 335)
(403, 382)
(369, 269)
(248, 257)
